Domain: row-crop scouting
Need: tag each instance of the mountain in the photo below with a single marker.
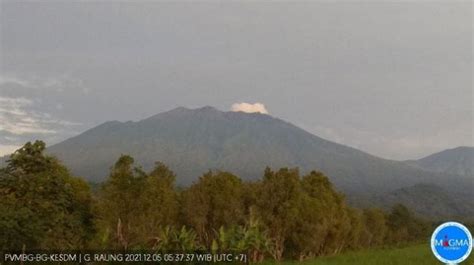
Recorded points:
(458, 161)
(192, 141)
(430, 200)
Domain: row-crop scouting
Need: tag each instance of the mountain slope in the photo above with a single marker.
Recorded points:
(430, 200)
(458, 161)
(194, 141)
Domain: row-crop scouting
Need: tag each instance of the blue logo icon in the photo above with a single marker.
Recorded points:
(451, 243)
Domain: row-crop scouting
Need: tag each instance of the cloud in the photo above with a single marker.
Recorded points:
(20, 120)
(249, 108)
(36, 107)
(56, 83)
(8, 149)
(4, 80)
(17, 118)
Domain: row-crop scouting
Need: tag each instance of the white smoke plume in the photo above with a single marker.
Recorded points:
(249, 108)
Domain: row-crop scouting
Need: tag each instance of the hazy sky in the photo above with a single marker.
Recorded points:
(392, 79)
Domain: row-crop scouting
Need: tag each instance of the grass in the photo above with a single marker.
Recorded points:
(413, 255)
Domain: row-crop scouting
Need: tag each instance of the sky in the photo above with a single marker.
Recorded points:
(391, 79)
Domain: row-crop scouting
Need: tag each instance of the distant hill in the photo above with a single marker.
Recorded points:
(430, 200)
(192, 141)
(458, 161)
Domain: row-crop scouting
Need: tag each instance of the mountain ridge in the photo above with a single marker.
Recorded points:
(208, 112)
(193, 141)
(458, 160)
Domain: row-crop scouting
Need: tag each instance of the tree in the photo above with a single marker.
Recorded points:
(119, 205)
(357, 229)
(324, 221)
(42, 205)
(277, 206)
(158, 201)
(375, 222)
(404, 226)
(214, 201)
(399, 221)
(30, 159)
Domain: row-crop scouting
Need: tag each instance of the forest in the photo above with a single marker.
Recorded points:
(284, 215)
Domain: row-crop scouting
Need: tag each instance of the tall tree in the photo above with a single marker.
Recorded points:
(214, 201)
(324, 222)
(119, 206)
(404, 226)
(42, 205)
(277, 205)
(158, 201)
(375, 221)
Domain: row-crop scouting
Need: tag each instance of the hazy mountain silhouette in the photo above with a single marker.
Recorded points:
(459, 161)
(430, 200)
(192, 141)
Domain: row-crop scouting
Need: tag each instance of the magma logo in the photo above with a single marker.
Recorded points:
(454, 244)
(451, 243)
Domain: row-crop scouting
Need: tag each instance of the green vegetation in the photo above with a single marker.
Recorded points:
(191, 141)
(42, 205)
(283, 216)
